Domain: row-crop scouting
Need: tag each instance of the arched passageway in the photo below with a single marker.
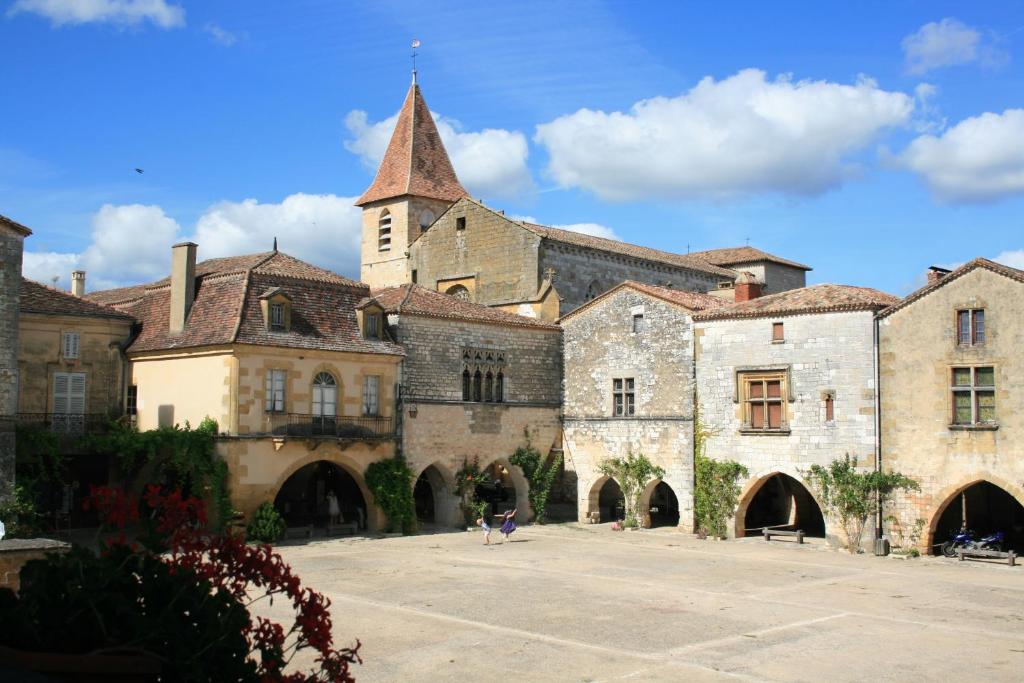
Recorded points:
(984, 508)
(505, 488)
(302, 498)
(782, 502)
(663, 506)
(432, 497)
(611, 502)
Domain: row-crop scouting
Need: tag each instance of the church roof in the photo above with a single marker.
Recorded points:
(227, 307)
(824, 298)
(732, 256)
(415, 162)
(38, 298)
(413, 299)
(691, 301)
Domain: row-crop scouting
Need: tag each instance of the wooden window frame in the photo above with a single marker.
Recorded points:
(747, 400)
(778, 333)
(277, 316)
(371, 398)
(624, 397)
(275, 397)
(131, 401)
(974, 391)
(975, 333)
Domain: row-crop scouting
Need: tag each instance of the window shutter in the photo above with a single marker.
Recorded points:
(71, 343)
(61, 383)
(69, 393)
(76, 396)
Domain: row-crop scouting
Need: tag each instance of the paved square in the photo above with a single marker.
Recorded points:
(570, 603)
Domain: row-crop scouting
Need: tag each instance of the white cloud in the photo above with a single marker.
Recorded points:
(979, 159)
(489, 163)
(738, 136)
(948, 43)
(131, 243)
(593, 229)
(124, 12)
(220, 35)
(1013, 258)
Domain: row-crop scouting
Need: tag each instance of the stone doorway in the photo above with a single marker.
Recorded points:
(302, 499)
(984, 508)
(611, 502)
(780, 502)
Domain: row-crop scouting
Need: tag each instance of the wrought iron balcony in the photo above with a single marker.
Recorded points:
(66, 424)
(332, 427)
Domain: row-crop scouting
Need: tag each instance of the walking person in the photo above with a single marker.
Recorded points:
(333, 509)
(507, 525)
(482, 523)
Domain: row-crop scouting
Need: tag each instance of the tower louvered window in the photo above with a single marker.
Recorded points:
(384, 232)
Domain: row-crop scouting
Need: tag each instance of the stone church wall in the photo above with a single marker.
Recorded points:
(600, 345)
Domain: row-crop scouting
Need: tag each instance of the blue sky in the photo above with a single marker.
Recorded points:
(868, 141)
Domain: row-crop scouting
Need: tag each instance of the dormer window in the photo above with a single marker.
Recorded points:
(277, 310)
(371, 321)
(372, 326)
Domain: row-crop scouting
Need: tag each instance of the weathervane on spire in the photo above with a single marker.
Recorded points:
(415, 46)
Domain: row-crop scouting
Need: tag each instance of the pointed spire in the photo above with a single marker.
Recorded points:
(415, 162)
(275, 243)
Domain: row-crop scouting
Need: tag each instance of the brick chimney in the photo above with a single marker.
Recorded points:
(183, 283)
(746, 288)
(78, 282)
(935, 273)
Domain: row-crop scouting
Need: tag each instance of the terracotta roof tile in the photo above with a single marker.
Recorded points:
(415, 162)
(38, 298)
(732, 256)
(1006, 271)
(227, 308)
(15, 225)
(691, 301)
(416, 300)
(825, 298)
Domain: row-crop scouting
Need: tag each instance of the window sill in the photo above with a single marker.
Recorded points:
(778, 341)
(749, 431)
(990, 427)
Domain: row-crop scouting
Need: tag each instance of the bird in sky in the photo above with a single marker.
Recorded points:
(140, 171)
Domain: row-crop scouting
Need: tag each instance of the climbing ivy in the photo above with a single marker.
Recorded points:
(391, 481)
(632, 473)
(540, 475)
(715, 490)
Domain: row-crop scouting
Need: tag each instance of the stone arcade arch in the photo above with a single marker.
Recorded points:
(660, 503)
(434, 494)
(302, 496)
(606, 499)
(986, 507)
(512, 480)
(778, 500)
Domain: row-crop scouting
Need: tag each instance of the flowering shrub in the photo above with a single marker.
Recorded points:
(179, 595)
(467, 478)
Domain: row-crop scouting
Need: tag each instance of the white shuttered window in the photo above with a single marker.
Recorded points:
(71, 342)
(69, 393)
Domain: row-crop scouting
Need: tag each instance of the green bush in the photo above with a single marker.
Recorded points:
(540, 475)
(19, 514)
(390, 481)
(715, 493)
(266, 526)
(632, 474)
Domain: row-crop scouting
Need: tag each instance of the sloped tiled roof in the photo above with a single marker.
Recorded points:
(732, 256)
(1006, 271)
(691, 301)
(416, 300)
(227, 310)
(415, 162)
(15, 225)
(636, 251)
(825, 298)
(38, 298)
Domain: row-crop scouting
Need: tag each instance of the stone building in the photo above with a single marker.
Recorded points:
(271, 347)
(474, 381)
(12, 238)
(629, 386)
(786, 381)
(951, 365)
(420, 226)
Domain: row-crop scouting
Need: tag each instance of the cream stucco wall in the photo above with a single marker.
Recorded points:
(175, 388)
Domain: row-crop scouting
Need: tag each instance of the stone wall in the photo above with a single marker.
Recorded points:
(775, 277)
(577, 268)
(600, 345)
(11, 245)
(433, 364)
(828, 352)
(15, 552)
(918, 349)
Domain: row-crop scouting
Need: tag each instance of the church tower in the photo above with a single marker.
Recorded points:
(414, 185)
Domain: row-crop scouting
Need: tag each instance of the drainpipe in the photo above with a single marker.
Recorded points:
(878, 431)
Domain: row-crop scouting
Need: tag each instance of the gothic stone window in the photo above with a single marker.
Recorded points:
(974, 396)
(623, 397)
(764, 404)
(483, 375)
(970, 327)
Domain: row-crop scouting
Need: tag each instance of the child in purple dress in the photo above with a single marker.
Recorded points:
(508, 526)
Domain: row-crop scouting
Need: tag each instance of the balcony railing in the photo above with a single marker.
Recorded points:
(332, 427)
(67, 424)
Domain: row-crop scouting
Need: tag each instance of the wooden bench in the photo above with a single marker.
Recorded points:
(1010, 557)
(299, 532)
(343, 528)
(798, 534)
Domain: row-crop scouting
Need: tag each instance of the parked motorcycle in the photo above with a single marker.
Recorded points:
(965, 539)
(991, 542)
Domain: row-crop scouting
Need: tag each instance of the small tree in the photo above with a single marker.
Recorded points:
(390, 481)
(632, 473)
(540, 475)
(850, 495)
(467, 478)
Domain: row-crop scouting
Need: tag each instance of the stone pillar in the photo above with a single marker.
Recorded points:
(12, 236)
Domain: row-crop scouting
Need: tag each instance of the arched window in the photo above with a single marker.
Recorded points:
(325, 395)
(499, 387)
(426, 219)
(593, 290)
(384, 231)
(467, 393)
(488, 386)
(459, 292)
(477, 388)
